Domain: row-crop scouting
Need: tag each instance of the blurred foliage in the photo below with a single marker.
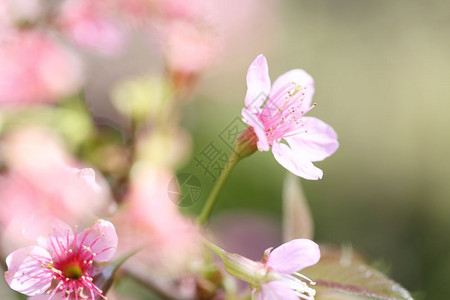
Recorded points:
(341, 274)
(131, 98)
(70, 120)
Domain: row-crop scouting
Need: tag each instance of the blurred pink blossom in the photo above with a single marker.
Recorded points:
(41, 177)
(36, 69)
(137, 11)
(187, 9)
(281, 119)
(93, 24)
(224, 17)
(194, 32)
(189, 48)
(151, 220)
(63, 262)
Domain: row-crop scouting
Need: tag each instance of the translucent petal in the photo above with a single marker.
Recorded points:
(258, 83)
(25, 272)
(295, 162)
(293, 256)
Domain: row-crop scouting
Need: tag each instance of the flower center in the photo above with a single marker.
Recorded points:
(282, 113)
(73, 271)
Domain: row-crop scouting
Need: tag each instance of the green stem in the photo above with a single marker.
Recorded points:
(206, 211)
(219, 251)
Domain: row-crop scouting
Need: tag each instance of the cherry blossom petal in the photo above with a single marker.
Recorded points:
(276, 290)
(48, 231)
(87, 176)
(53, 71)
(295, 162)
(102, 240)
(25, 273)
(319, 142)
(293, 256)
(299, 77)
(258, 84)
(252, 120)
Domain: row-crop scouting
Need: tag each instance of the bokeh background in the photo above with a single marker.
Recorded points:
(382, 72)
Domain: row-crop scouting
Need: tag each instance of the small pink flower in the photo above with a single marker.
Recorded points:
(277, 276)
(63, 262)
(285, 262)
(279, 122)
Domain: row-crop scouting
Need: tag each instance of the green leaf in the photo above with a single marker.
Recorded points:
(341, 274)
(297, 221)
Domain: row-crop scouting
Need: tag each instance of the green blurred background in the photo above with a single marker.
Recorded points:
(382, 73)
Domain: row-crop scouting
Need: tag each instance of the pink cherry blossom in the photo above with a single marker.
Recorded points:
(276, 114)
(36, 69)
(63, 261)
(185, 9)
(284, 263)
(94, 25)
(150, 219)
(189, 48)
(42, 177)
(277, 276)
